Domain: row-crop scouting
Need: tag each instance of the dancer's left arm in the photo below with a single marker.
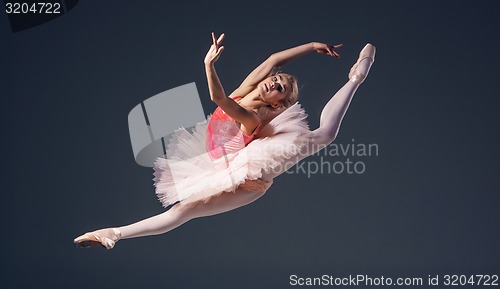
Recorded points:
(281, 58)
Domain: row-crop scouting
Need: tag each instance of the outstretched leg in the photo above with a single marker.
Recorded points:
(171, 219)
(333, 112)
(181, 213)
(335, 109)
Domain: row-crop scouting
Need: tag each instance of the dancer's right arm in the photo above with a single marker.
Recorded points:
(247, 118)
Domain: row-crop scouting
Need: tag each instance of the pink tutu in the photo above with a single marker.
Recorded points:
(188, 172)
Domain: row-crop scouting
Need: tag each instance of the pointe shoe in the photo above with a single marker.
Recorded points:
(357, 76)
(106, 238)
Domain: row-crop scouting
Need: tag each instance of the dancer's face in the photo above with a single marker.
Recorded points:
(274, 89)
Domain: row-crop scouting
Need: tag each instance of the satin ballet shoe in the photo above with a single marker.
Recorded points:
(106, 238)
(357, 76)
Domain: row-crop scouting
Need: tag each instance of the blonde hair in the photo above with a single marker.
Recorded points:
(293, 96)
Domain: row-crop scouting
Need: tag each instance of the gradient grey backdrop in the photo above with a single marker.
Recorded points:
(428, 204)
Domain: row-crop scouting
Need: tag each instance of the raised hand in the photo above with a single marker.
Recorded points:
(215, 50)
(327, 49)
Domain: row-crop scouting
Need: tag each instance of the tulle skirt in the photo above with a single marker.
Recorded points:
(187, 173)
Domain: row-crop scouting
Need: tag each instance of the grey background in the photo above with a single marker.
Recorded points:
(428, 204)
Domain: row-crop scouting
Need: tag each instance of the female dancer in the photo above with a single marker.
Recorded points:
(254, 135)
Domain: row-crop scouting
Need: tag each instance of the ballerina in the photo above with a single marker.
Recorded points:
(256, 133)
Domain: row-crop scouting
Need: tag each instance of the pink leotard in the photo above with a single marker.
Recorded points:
(224, 135)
